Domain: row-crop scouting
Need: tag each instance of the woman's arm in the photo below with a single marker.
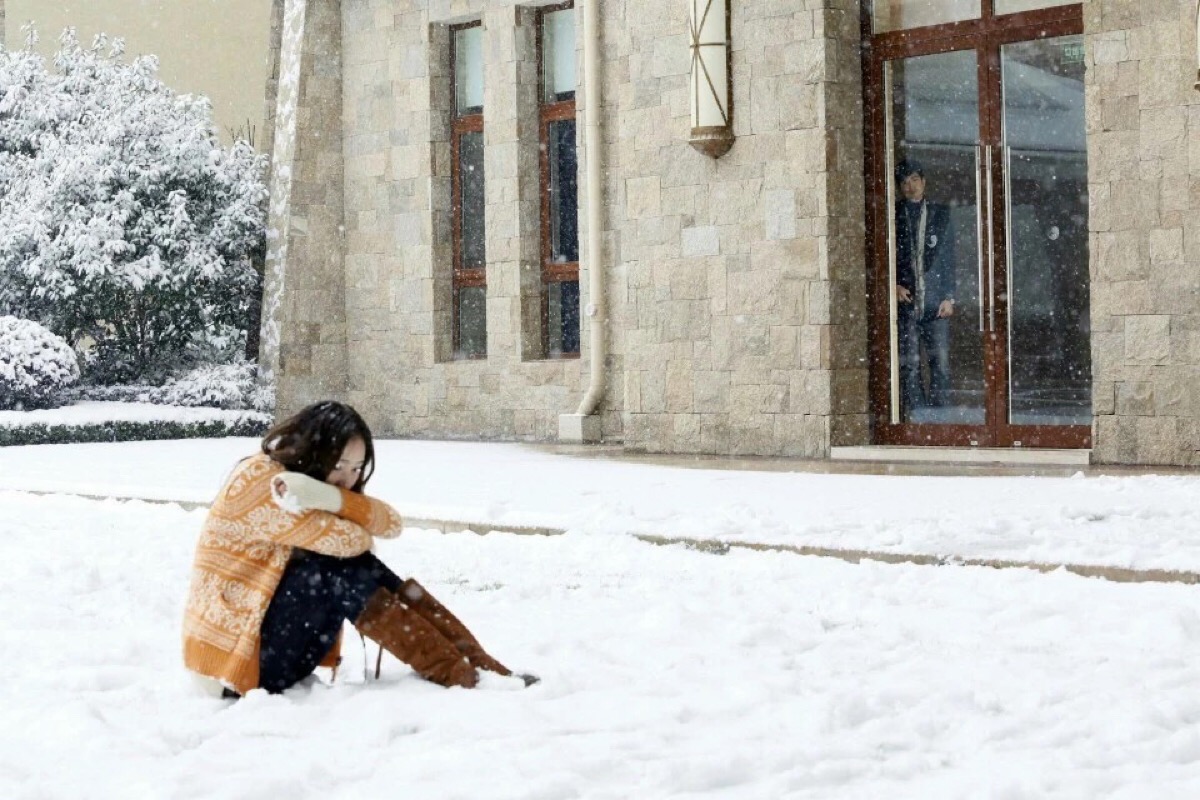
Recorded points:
(247, 509)
(300, 492)
(374, 516)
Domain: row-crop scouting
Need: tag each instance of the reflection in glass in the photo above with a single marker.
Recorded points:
(895, 15)
(1014, 6)
(932, 110)
(470, 169)
(562, 317)
(1050, 370)
(558, 56)
(564, 193)
(468, 70)
(472, 321)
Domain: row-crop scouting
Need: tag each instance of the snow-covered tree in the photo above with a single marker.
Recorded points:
(122, 218)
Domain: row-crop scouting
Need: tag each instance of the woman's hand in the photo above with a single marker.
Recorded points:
(295, 491)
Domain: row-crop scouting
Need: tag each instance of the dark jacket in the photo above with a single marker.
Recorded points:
(939, 255)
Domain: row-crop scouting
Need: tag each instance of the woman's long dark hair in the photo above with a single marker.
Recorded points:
(312, 440)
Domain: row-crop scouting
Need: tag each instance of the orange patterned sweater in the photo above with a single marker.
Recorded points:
(244, 547)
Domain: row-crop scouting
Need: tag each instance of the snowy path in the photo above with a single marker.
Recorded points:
(1144, 522)
(668, 673)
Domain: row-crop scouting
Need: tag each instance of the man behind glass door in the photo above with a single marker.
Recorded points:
(925, 285)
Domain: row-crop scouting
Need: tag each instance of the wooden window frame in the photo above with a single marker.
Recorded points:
(987, 31)
(548, 114)
(462, 277)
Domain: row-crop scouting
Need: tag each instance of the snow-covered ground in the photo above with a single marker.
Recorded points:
(1145, 521)
(98, 412)
(668, 673)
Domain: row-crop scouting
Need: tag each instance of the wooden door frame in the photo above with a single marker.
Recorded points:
(984, 36)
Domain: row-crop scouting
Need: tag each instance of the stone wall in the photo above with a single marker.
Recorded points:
(743, 316)
(1143, 124)
(735, 286)
(398, 258)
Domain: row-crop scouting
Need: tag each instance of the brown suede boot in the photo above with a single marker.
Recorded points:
(449, 625)
(407, 635)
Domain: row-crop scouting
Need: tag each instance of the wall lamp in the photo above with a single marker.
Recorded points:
(712, 94)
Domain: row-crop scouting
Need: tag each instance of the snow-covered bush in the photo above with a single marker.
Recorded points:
(229, 386)
(36, 366)
(122, 218)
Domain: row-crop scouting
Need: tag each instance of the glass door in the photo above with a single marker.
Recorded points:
(1049, 380)
(934, 232)
(978, 226)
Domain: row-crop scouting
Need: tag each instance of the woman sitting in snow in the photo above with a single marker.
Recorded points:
(285, 556)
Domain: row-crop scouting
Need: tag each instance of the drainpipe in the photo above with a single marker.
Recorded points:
(584, 424)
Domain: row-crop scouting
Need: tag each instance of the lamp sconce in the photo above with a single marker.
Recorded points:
(711, 90)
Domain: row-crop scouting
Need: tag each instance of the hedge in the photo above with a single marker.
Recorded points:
(41, 433)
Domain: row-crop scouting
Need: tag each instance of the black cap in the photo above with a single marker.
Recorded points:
(909, 167)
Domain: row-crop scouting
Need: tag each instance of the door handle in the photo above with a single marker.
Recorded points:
(991, 250)
(1008, 230)
(979, 200)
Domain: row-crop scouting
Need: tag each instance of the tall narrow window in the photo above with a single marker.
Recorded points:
(466, 175)
(559, 179)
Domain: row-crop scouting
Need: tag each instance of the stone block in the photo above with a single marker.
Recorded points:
(751, 435)
(802, 435)
(748, 339)
(680, 387)
(753, 292)
(1121, 298)
(1158, 441)
(1119, 114)
(1164, 83)
(1114, 440)
(643, 197)
(711, 391)
(814, 347)
(700, 241)
(1147, 339)
(1135, 399)
(779, 212)
(1173, 393)
(810, 392)
(1118, 258)
(1104, 395)
(749, 400)
(1166, 246)
(1110, 48)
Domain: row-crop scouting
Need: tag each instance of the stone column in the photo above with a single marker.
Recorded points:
(844, 258)
(510, 170)
(1143, 132)
(274, 47)
(304, 317)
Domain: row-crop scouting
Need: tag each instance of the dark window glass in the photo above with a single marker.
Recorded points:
(472, 321)
(562, 312)
(470, 167)
(564, 193)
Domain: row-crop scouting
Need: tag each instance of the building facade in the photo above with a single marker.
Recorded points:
(961, 223)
